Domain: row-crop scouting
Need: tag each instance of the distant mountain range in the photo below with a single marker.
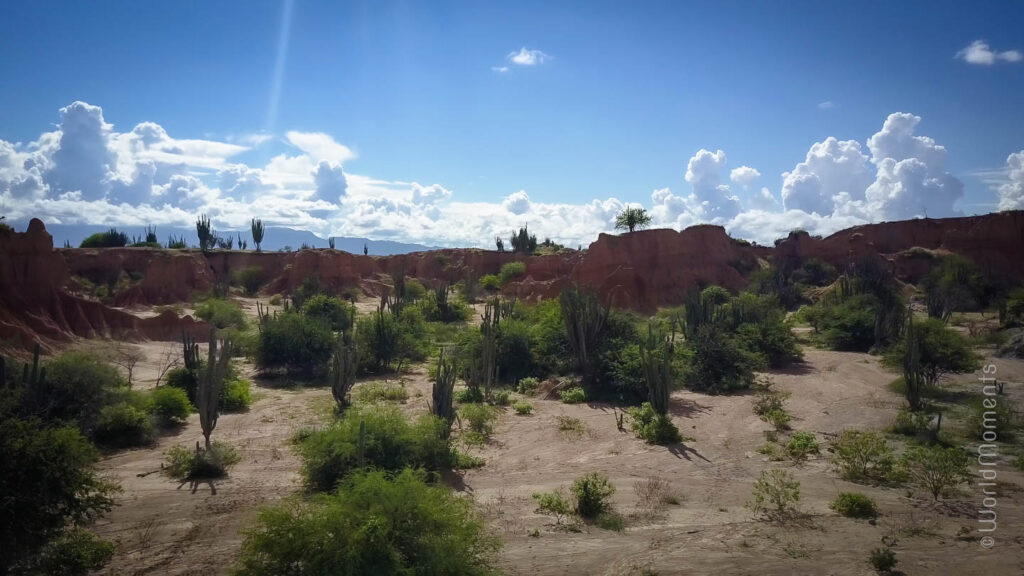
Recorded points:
(274, 238)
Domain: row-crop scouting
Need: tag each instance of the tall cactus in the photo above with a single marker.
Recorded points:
(207, 239)
(211, 380)
(484, 368)
(444, 391)
(190, 352)
(257, 233)
(656, 356)
(585, 320)
(343, 368)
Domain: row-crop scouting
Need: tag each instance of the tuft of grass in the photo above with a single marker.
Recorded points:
(371, 392)
(572, 427)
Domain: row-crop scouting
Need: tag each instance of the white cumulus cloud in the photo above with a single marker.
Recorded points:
(981, 54)
(527, 57)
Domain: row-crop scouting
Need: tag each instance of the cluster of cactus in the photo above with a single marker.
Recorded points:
(585, 320)
(207, 238)
(330, 242)
(440, 294)
(31, 374)
(257, 233)
(211, 380)
(343, 367)
(190, 352)
(444, 391)
(484, 368)
(699, 312)
(912, 375)
(385, 334)
(656, 357)
(263, 315)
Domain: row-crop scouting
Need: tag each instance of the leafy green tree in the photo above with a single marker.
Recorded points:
(955, 284)
(632, 218)
(48, 482)
(928, 350)
(296, 342)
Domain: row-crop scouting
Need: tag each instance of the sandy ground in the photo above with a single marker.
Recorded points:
(164, 528)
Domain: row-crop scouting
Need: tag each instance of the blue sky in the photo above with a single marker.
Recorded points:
(618, 102)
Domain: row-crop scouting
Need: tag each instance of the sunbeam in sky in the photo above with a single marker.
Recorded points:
(277, 84)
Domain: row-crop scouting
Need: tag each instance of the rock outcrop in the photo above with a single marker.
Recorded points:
(43, 291)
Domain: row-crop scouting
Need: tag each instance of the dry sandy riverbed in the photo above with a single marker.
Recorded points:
(164, 528)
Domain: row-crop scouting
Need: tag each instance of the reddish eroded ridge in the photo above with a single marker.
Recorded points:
(42, 289)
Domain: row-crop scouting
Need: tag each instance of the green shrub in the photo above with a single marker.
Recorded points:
(573, 427)
(181, 378)
(373, 524)
(170, 405)
(776, 493)
(391, 443)
(527, 386)
(490, 282)
(48, 481)
(554, 503)
(469, 395)
(767, 399)
(250, 278)
(718, 363)
(778, 418)
(850, 325)
(611, 521)
(549, 345)
(185, 463)
(123, 426)
(76, 388)
(771, 339)
(235, 395)
(371, 392)
(221, 313)
(511, 271)
(573, 395)
(936, 469)
(501, 398)
(514, 350)
(992, 416)
(652, 427)
(109, 239)
(592, 493)
(297, 343)
(909, 423)
(480, 418)
(854, 505)
(523, 408)
(335, 313)
(883, 560)
(414, 290)
(862, 456)
(801, 445)
(76, 552)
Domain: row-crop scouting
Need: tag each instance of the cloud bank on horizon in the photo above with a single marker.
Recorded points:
(87, 172)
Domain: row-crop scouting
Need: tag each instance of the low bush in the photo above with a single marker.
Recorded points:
(883, 560)
(235, 395)
(718, 363)
(778, 418)
(863, 456)
(123, 426)
(250, 279)
(199, 463)
(909, 423)
(390, 443)
(572, 427)
(469, 396)
(335, 313)
(554, 503)
(511, 271)
(574, 395)
(801, 445)
(76, 388)
(523, 408)
(527, 386)
(480, 419)
(295, 342)
(611, 521)
(501, 398)
(221, 313)
(181, 378)
(373, 524)
(170, 405)
(776, 493)
(988, 417)
(109, 239)
(76, 552)
(592, 493)
(652, 427)
(371, 392)
(936, 469)
(490, 282)
(854, 505)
